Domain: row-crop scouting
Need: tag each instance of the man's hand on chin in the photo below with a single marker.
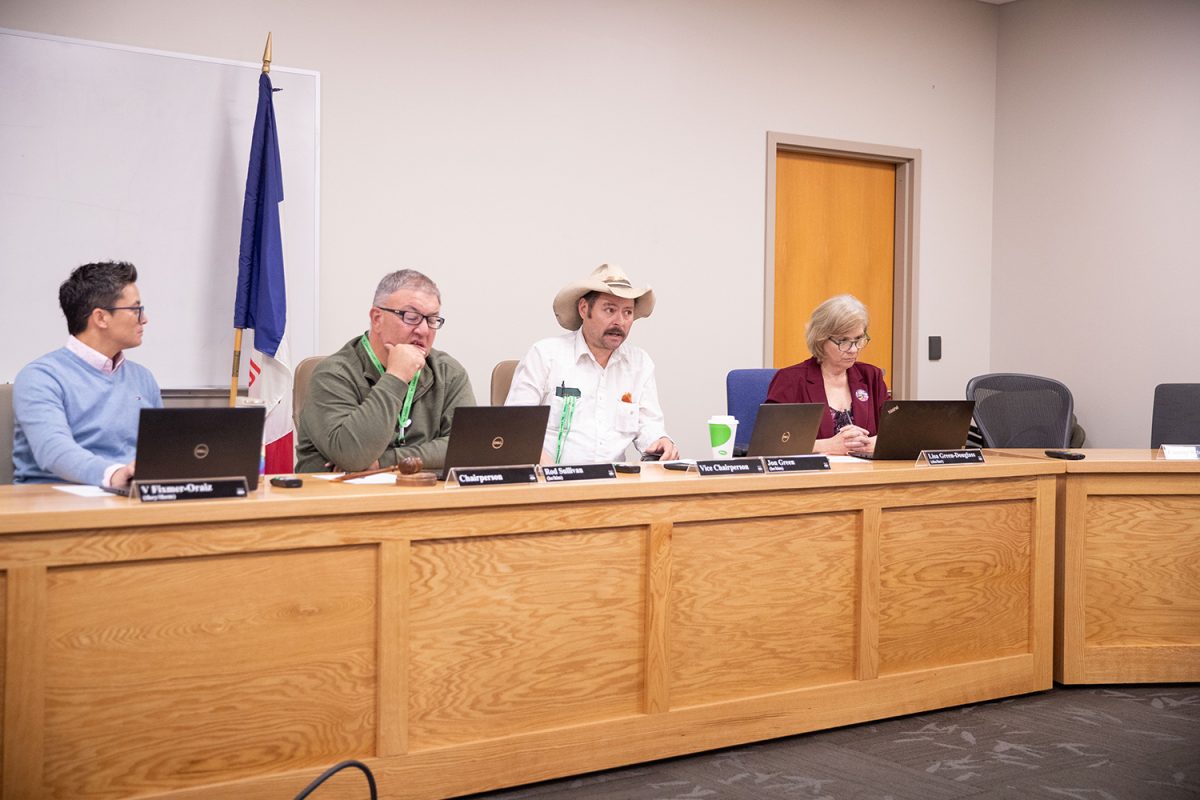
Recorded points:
(403, 360)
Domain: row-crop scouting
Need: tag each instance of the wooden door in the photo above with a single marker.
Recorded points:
(835, 222)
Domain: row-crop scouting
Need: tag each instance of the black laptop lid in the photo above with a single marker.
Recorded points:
(496, 436)
(785, 429)
(906, 427)
(178, 443)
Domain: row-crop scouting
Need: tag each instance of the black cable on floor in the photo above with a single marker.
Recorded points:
(336, 768)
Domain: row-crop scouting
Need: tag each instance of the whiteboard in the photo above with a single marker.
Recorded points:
(127, 154)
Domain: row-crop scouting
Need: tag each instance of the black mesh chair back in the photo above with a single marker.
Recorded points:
(1014, 410)
(1176, 417)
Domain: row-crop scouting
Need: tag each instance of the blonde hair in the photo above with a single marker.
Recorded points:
(837, 315)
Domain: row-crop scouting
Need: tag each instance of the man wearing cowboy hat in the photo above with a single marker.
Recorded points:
(600, 390)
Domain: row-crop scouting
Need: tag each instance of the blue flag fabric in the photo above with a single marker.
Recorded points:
(261, 298)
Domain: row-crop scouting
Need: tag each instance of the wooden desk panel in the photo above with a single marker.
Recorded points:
(1128, 570)
(460, 640)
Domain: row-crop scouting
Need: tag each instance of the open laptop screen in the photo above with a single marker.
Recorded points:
(906, 427)
(496, 436)
(785, 429)
(178, 443)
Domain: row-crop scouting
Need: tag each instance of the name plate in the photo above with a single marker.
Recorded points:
(200, 489)
(730, 466)
(1181, 452)
(578, 472)
(494, 476)
(940, 458)
(796, 463)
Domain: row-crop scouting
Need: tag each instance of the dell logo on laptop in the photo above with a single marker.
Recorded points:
(200, 450)
(786, 436)
(498, 442)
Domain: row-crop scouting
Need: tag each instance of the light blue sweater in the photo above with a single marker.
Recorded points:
(73, 421)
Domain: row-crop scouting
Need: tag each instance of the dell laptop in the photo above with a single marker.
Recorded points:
(184, 443)
(496, 436)
(785, 429)
(906, 427)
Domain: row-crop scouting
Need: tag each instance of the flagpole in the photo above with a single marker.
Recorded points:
(237, 332)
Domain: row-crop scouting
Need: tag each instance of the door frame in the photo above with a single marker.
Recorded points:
(903, 382)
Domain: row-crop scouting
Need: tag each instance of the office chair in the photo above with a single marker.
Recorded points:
(300, 379)
(1176, 418)
(745, 391)
(1015, 410)
(502, 375)
(7, 423)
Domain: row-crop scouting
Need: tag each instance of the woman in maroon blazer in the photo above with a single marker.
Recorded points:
(852, 392)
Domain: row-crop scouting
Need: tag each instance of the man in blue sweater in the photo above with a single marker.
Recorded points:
(77, 407)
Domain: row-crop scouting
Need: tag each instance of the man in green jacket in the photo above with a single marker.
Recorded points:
(386, 394)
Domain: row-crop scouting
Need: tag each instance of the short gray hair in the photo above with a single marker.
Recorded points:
(839, 314)
(405, 279)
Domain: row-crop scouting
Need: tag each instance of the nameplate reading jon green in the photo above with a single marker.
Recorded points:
(796, 463)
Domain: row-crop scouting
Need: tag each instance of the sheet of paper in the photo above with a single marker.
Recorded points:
(380, 479)
(85, 491)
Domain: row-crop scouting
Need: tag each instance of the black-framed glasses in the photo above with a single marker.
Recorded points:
(139, 310)
(844, 344)
(413, 318)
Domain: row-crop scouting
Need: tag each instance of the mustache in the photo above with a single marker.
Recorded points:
(615, 331)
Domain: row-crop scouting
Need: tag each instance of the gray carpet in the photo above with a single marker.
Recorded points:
(1089, 743)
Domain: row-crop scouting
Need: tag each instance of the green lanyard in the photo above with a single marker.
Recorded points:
(564, 425)
(570, 398)
(402, 420)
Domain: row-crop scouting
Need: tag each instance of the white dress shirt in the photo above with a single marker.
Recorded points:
(618, 404)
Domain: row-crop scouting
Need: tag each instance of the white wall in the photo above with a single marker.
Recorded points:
(508, 147)
(1096, 277)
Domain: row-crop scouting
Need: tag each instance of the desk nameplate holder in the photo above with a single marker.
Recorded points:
(730, 466)
(797, 463)
(520, 475)
(1180, 452)
(189, 489)
(556, 473)
(942, 458)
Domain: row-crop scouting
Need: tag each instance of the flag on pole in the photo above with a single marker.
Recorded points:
(261, 297)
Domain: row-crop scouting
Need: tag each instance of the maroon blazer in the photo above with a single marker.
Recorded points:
(802, 383)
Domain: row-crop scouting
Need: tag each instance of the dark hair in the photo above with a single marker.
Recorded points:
(93, 286)
(590, 298)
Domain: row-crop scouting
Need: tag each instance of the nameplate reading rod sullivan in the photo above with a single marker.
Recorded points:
(578, 472)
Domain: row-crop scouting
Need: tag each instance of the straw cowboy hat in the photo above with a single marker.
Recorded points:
(608, 278)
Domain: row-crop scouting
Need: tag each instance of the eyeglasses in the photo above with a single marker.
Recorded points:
(845, 344)
(139, 310)
(413, 318)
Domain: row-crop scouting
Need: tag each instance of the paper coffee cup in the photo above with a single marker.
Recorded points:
(721, 433)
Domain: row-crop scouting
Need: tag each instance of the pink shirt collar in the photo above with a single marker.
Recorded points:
(94, 358)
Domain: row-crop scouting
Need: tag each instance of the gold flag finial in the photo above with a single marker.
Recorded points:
(267, 55)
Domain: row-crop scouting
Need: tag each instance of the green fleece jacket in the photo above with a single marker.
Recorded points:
(349, 417)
